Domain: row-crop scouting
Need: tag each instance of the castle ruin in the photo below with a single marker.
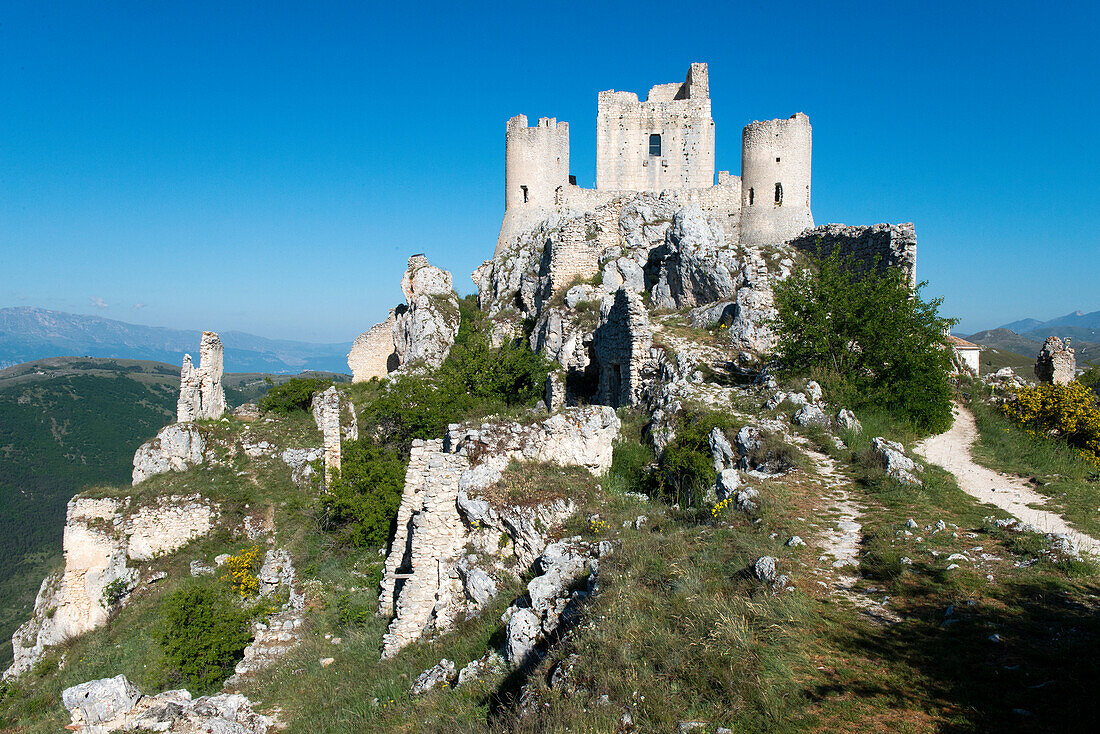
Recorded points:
(666, 144)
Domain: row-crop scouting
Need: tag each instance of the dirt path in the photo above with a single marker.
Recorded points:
(840, 537)
(951, 450)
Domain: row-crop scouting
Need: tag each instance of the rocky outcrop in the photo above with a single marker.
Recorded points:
(698, 267)
(373, 354)
(1056, 362)
(100, 535)
(201, 393)
(425, 330)
(421, 331)
(116, 704)
(177, 447)
(428, 580)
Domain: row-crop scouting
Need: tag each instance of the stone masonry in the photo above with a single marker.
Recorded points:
(621, 345)
(201, 393)
(891, 245)
(427, 581)
(373, 353)
(1056, 362)
(326, 413)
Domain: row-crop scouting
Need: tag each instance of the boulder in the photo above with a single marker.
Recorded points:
(846, 420)
(765, 569)
(101, 700)
(442, 673)
(523, 632)
(720, 450)
(811, 415)
(895, 462)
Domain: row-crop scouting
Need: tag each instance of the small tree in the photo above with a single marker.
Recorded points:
(868, 337)
(203, 635)
(363, 498)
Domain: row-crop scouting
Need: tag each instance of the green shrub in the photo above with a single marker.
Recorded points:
(204, 634)
(352, 614)
(294, 394)
(686, 469)
(363, 498)
(113, 592)
(868, 338)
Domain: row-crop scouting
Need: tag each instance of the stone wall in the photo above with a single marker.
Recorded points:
(326, 413)
(892, 245)
(201, 393)
(373, 353)
(621, 347)
(536, 162)
(100, 535)
(428, 580)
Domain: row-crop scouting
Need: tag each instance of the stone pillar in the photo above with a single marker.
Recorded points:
(326, 413)
(1056, 362)
(190, 400)
(210, 373)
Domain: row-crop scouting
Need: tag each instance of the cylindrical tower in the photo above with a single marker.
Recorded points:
(775, 180)
(536, 162)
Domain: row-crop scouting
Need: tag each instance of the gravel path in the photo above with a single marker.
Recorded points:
(951, 450)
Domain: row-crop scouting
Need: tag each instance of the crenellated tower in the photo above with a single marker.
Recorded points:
(536, 164)
(775, 180)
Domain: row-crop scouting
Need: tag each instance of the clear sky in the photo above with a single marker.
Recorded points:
(270, 166)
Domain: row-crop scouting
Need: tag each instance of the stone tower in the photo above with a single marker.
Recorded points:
(665, 142)
(536, 162)
(775, 180)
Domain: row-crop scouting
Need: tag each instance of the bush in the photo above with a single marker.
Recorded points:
(686, 469)
(294, 394)
(203, 636)
(363, 498)
(868, 338)
(240, 572)
(1067, 411)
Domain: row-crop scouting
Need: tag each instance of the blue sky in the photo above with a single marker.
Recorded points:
(270, 166)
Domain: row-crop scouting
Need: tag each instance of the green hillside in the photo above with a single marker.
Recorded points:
(67, 423)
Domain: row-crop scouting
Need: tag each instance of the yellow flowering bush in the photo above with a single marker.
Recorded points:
(597, 526)
(241, 571)
(718, 508)
(1068, 411)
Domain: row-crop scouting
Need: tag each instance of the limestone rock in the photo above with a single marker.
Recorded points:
(728, 482)
(523, 632)
(811, 415)
(1056, 362)
(765, 569)
(442, 673)
(177, 447)
(425, 329)
(488, 664)
(201, 393)
(699, 267)
(99, 535)
(555, 392)
(846, 420)
(373, 353)
(299, 461)
(115, 704)
(720, 450)
(895, 462)
(101, 700)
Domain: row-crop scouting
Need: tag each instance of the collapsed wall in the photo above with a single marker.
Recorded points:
(100, 535)
(428, 581)
(877, 245)
(1056, 362)
(419, 332)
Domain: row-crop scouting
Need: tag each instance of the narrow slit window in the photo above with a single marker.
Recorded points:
(752, 195)
(524, 194)
(779, 193)
(655, 145)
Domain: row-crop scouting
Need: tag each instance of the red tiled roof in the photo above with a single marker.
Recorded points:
(960, 343)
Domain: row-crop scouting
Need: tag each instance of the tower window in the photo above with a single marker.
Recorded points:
(779, 193)
(655, 145)
(752, 195)
(776, 160)
(524, 194)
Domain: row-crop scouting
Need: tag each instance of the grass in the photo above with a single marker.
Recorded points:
(1054, 469)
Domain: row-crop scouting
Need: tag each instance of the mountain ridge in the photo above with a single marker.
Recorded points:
(28, 333)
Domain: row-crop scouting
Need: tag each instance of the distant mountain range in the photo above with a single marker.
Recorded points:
(27, 334)
(1026, 336)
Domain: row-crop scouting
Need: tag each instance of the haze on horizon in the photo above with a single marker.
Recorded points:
(197, 166)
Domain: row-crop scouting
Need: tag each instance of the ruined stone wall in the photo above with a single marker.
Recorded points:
(1056, 362)
(373, 353)
(892, 245)
(775, 180)
(682, 118)
(621, 344)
